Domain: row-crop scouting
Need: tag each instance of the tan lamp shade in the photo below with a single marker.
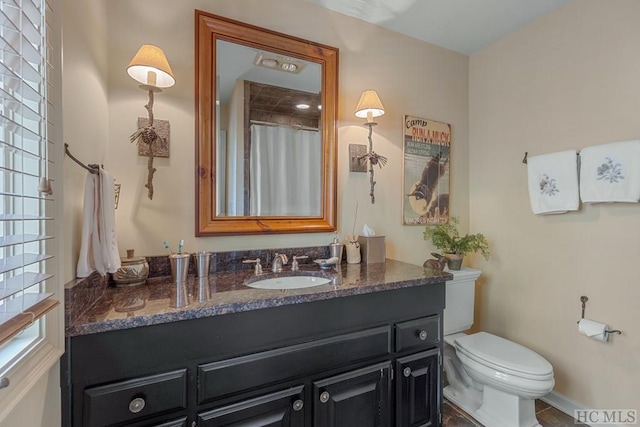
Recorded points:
(369, 106)
(150, 67)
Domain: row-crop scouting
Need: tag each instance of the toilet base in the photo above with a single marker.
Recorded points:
(494, 408)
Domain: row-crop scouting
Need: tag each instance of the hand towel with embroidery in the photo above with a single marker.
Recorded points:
(610, 172)
(553, 182)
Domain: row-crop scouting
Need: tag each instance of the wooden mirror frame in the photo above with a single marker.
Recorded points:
(209, 29)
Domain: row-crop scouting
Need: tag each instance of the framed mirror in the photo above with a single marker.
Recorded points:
(266, 111)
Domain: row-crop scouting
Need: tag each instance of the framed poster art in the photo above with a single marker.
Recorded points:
(427, 160)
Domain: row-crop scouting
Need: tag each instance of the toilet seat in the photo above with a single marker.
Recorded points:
(515, 385)
(504, 356)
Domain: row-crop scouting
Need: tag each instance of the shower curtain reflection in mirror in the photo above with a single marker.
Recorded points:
(286, 176)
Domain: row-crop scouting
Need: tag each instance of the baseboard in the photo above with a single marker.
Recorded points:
(568, 406)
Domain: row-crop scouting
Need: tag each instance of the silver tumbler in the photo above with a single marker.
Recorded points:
(202, 263)
(179, 267)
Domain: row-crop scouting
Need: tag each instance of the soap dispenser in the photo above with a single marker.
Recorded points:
(335, 248)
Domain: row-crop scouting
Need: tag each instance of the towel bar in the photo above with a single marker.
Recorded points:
(93, 168)
(526, 154)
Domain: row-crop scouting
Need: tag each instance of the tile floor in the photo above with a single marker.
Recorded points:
(547, 415)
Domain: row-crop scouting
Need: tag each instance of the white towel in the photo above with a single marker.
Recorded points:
(110, 242)
(553, 182)
(610, 172)
(98, 247)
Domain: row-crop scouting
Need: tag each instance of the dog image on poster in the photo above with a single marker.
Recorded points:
(427, 160)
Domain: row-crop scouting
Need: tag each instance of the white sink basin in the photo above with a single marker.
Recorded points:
(289, 282)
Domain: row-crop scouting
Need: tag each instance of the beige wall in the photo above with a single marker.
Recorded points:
(84, 110)
(570, 80)
(40, 407)
(411, 77)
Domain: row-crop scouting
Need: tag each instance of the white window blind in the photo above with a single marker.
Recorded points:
(24, 148)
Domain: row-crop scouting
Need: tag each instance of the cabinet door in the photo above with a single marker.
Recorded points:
(356, 398)
(281, 409)
(417, 392)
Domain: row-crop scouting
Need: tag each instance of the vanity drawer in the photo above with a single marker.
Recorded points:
(226, 377)
(135, 399)
(418, 333)
(282, 408)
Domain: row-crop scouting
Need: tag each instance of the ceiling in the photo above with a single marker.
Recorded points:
(236, 62)
(465, 26)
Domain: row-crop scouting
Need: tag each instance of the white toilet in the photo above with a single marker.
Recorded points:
(492, 379)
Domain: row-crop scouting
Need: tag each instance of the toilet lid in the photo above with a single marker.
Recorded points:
(504, 354)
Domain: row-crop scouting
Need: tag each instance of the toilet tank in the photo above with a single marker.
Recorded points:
(460, 296)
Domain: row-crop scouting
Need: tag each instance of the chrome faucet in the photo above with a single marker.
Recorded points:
(278, 261)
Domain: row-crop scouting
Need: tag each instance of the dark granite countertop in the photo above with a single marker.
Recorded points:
(159, 301)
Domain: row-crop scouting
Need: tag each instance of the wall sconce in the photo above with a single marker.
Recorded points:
(369, 107)
(150, 68)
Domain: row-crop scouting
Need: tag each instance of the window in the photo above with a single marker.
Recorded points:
(29, 89)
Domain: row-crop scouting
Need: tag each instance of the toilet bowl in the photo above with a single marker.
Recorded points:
(494, 380)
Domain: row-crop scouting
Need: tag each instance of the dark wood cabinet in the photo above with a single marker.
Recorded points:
(417, 389)
(355, 398)
(361, 360)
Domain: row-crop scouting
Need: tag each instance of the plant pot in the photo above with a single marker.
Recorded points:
(454, 261)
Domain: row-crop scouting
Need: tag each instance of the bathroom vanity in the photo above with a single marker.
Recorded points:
(363, 350)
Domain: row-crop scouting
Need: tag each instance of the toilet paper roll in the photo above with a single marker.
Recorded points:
(593, 329)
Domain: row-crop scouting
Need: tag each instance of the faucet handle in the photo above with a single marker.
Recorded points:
(258, 268)
(294, 262)
(282, 256)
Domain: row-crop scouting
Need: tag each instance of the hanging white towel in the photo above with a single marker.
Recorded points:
(553, 182)
(109, 242)
(98, 246)
(610, 172)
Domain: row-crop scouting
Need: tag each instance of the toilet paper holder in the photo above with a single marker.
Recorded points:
(583, 300)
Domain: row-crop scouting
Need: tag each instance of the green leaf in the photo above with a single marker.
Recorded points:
(446, 237)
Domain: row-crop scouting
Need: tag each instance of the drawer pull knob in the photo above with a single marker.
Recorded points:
(406, 372)
(324, 397)
(422, 335)
(298, 405)
(136, 405)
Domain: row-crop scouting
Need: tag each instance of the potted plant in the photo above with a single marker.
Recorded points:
(446, 238)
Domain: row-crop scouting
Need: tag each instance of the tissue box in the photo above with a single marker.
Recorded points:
(372, 248)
